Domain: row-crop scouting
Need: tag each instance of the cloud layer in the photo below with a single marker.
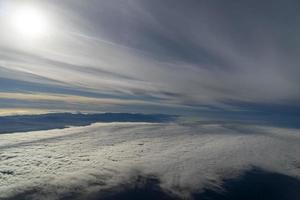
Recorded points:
(185, 157)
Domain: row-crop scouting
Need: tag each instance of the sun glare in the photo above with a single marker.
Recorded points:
(29, 22)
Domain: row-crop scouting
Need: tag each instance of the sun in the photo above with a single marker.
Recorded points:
(29, 22)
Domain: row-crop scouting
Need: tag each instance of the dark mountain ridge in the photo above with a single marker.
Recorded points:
(23, 123)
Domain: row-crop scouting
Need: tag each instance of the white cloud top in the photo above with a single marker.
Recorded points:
(186, 158)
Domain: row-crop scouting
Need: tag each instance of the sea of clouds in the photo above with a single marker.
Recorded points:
(80, 161)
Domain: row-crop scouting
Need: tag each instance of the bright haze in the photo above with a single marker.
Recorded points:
(187, 57)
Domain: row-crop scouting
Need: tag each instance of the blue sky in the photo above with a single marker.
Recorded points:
(171, 56)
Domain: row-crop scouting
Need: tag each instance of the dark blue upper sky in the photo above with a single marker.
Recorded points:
(171, 56)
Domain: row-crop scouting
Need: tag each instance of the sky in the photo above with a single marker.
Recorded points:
(201, 57)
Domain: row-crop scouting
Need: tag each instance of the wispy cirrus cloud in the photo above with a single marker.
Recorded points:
(196, 54)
